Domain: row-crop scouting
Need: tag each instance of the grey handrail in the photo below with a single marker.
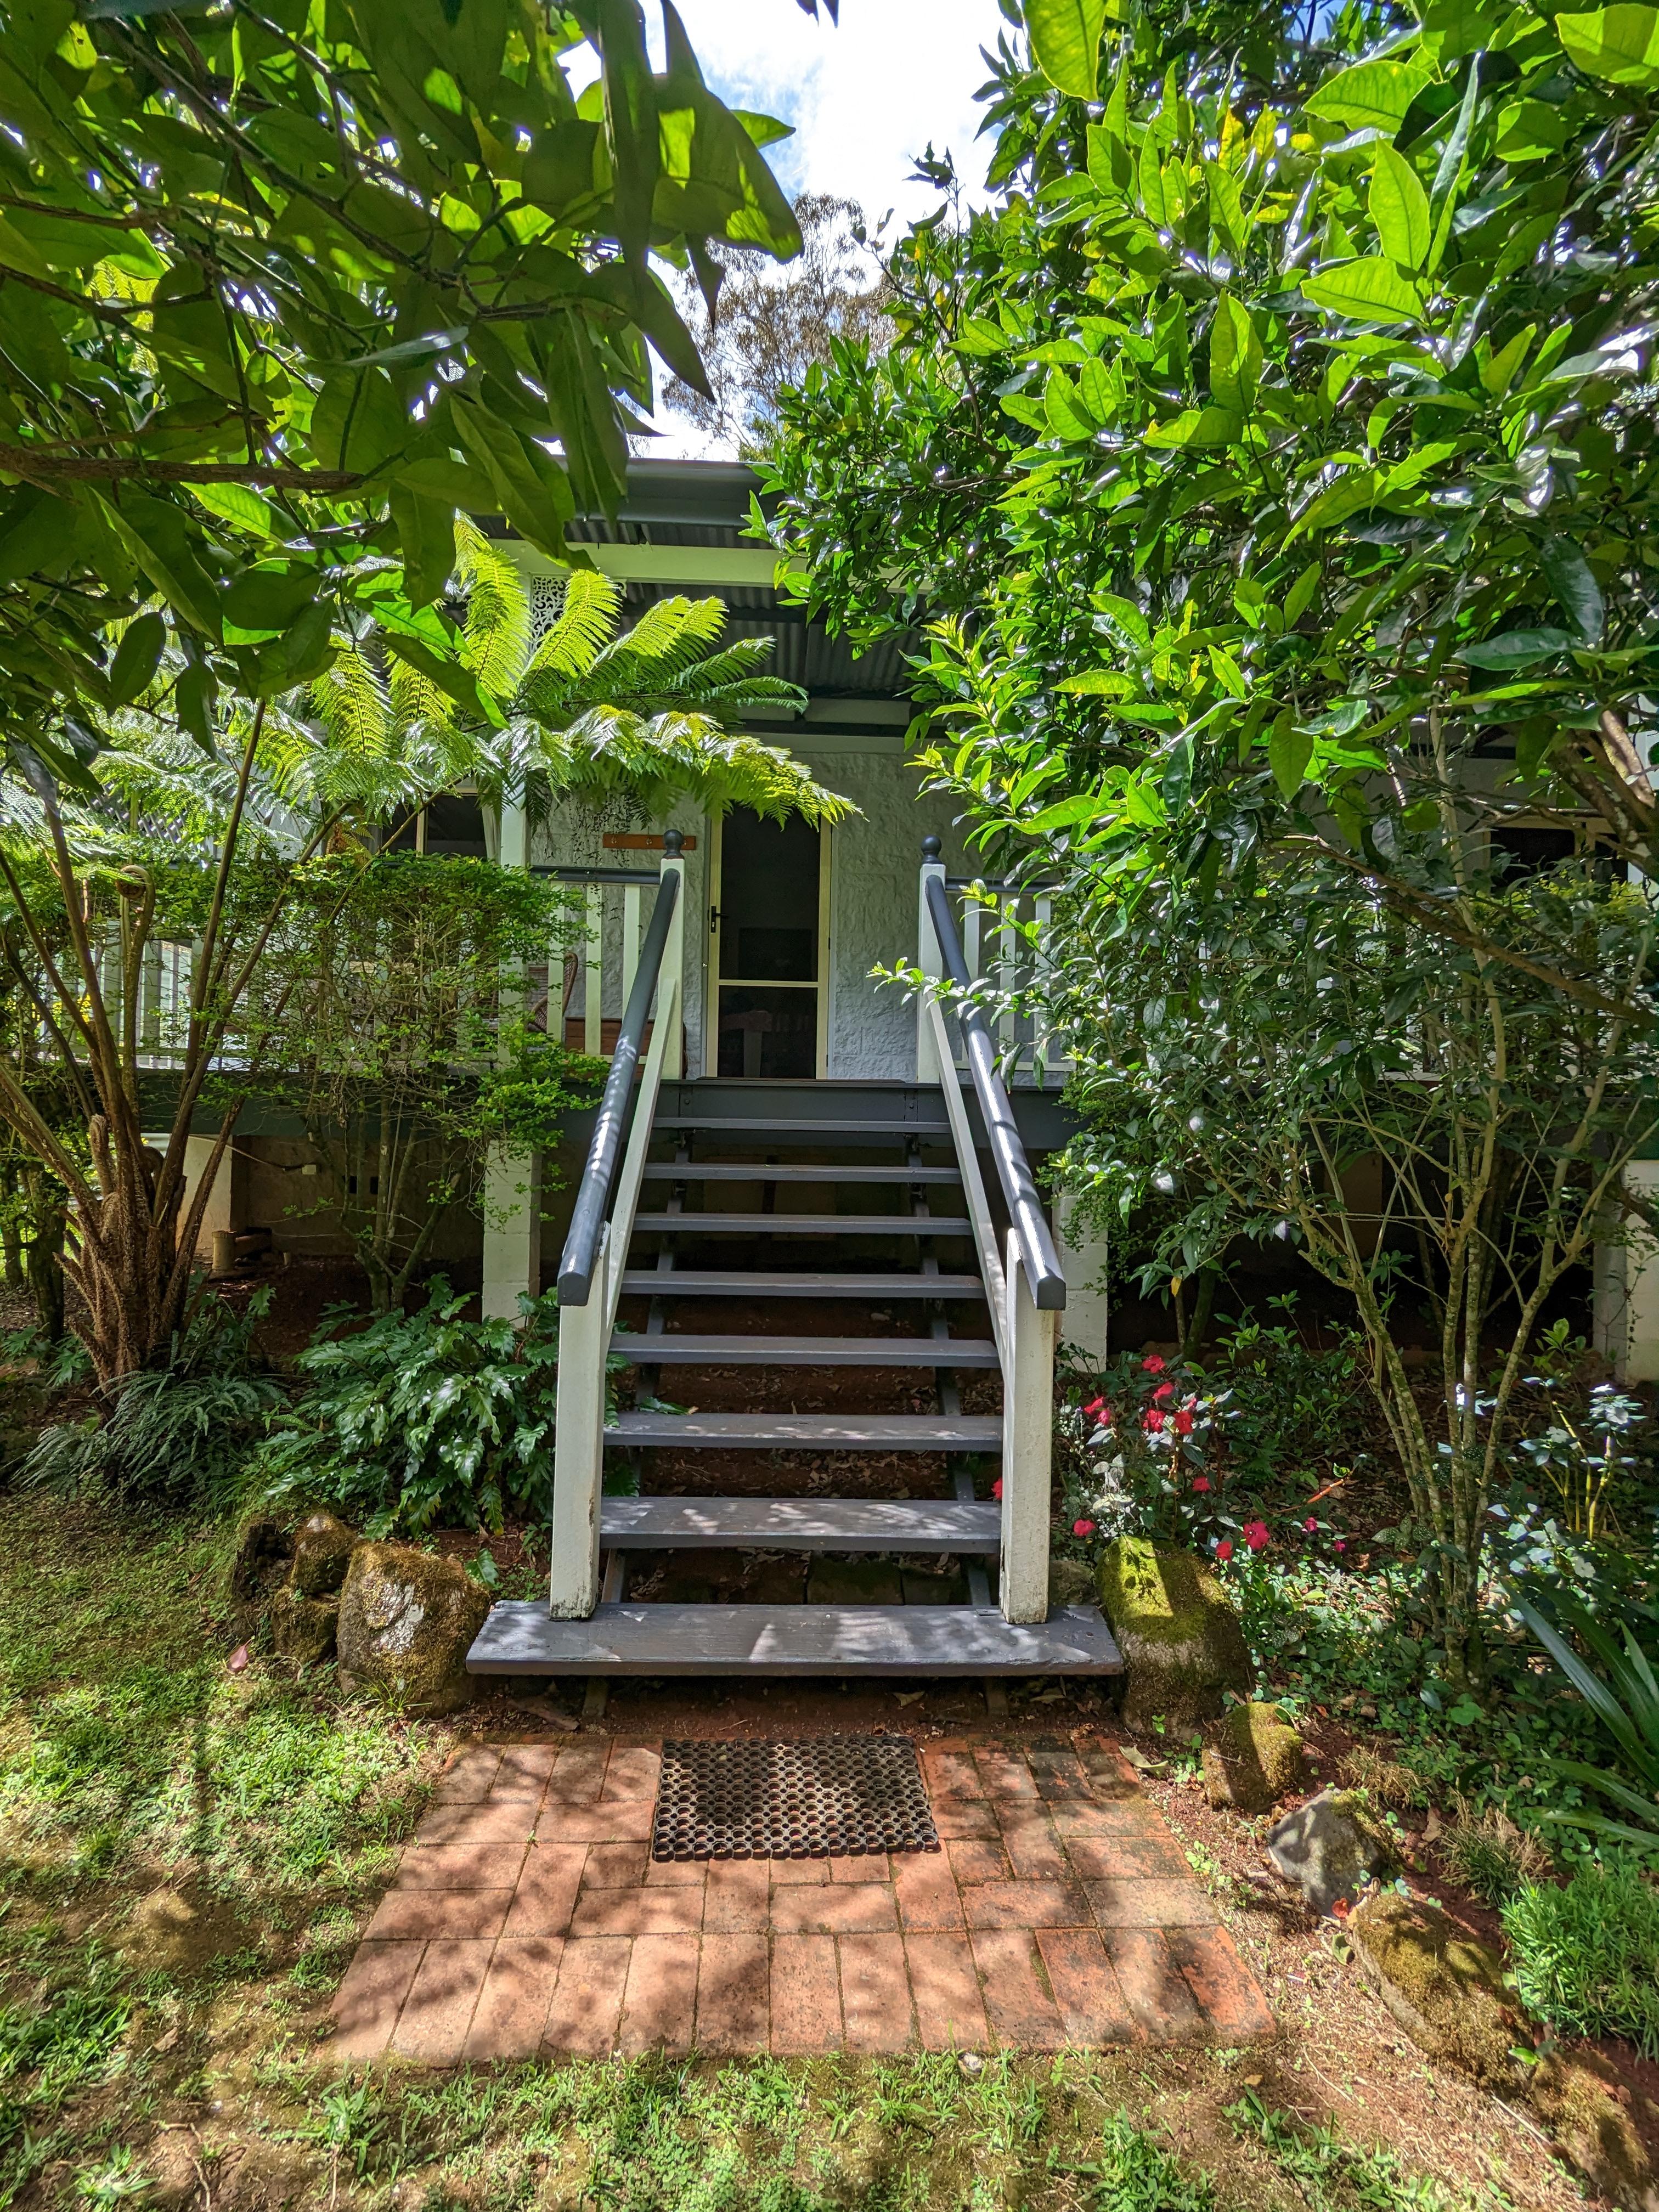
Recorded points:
(1037, 1247)
(599, 875)
(582, 1247)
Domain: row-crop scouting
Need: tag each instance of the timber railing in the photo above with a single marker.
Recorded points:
(601, 1227)
(1003, 931)
(1025, 1282)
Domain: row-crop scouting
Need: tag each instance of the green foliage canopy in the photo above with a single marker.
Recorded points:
(1250, 431)
(286, 287)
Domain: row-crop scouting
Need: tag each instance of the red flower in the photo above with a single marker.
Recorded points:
(1095, 1406)
(1255, 1534)
(1082, 1528)
(1341, 1909)
(1151, 1366)
(996, 1487)
(1201, 1483)
(1182, 1423)
(1340, 1545)
(1152, 1421)
(1310, 1525)
(1163, 1390)
(1224, 1550)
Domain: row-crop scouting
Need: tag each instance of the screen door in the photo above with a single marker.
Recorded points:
(768, 920)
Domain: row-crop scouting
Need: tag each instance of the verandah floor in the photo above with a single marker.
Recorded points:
(527, 1915)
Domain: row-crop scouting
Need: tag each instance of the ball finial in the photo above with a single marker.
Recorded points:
(673, 841)
(931, 848)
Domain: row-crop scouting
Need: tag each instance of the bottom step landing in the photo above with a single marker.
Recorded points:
(521, 1637)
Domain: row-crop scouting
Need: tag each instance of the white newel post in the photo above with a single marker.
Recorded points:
(1627, 1287)
(1028, 1417)
(511, 1199)
(929, 960)
(673, 960)
(579, 1448)
(1082, 1254)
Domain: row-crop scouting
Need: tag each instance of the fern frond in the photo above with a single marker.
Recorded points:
(577, 635)
(496, 629)
(349, 700)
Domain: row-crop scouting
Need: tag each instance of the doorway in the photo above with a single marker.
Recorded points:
(768, 923)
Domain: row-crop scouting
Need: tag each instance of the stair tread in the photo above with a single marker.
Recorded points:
(794, 1132)
(801, 1524)
(789, 1171)
(690, 1283)
(806, 1224)
(808, 1432)
(518, 1637)
(668, 1351)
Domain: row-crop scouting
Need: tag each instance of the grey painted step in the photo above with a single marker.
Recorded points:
(812, 1431)
(788, 1171)
(791, 1132)
(519, 1638)
(806, 1224)
(687, 1283)
(800, 1524)
(666, 1351)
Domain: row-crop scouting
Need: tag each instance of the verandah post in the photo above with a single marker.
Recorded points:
(1027, 1415)
(673, 960)
(579, 1448)
(930, 960)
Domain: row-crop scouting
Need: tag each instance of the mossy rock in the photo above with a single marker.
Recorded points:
(407, 1621)
(1330, 1849)
(1444, 1989)
(1182, 1647)
(260, 1559)
(1071, 1582)
(323, 1545)
(1599, 2123)
(1254, 1758)
(302, 1628)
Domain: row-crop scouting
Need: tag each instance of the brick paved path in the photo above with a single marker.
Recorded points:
(527, 1916)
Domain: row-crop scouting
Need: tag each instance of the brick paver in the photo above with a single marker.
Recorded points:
(527, 1915)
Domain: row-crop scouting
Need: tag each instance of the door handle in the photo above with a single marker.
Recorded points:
(713, 920)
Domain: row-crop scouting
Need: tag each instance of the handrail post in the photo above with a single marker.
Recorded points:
(673, 959)
(579, 1449)
(931, 961)
(1027, 1428)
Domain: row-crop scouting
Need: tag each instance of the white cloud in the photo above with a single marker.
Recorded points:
(864, 99)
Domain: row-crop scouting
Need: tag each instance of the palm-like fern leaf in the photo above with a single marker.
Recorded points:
(498, 626)
(578, 634)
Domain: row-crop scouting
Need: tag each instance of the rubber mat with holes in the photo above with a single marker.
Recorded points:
(835, 1796)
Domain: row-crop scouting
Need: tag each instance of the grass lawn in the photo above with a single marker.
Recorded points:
(186, 1856)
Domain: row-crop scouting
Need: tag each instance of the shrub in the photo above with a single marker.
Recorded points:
(1491, 1857)
(424, 1418)
(1586, 1956)
(171, 1434)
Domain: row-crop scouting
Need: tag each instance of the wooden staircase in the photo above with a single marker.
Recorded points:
(897, 1151)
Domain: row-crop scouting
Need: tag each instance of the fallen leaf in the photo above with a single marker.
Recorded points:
(237, 1662)
(1141, 1763)
(909, 1697)
(1432, 1826)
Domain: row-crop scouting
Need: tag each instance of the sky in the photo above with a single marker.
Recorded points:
(864, 99)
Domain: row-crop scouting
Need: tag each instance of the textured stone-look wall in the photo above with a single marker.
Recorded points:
(874, 873)
(874, 865)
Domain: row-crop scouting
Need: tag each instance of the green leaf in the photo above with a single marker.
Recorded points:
(1066, 43)
(1517, 648)
(1400, 208)
(269, 599)
(1302, 593)
(155, 534)
(192, 701)
(979, 335)
(534, 496)
(1198, 426)
(1619, 44)
(1371, 95)
(236, 503)
(1235, 357)
(136, 658)
(1098, 683)
(1064, 816)
(1289, 751)
(1066, 416)
(1573, 582)
(1369, 290)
